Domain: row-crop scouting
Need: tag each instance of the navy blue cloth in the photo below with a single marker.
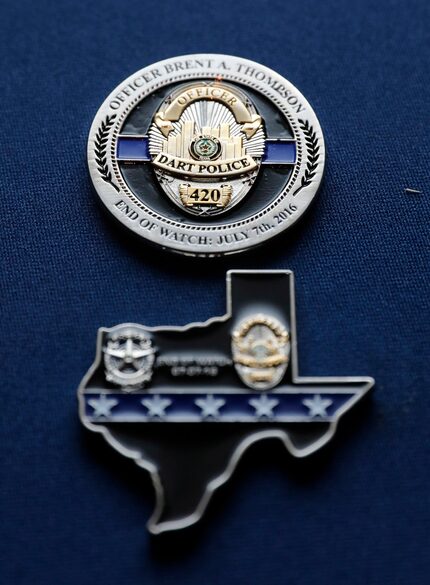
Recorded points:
(74, 511)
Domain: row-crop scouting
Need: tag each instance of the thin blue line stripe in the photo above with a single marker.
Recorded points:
(133, 148)
(236, 406)
(136, 148)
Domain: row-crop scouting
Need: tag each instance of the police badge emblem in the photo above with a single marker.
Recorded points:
(206, 154)
(186, 402)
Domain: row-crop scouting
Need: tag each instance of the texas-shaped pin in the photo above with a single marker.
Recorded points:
(186, 402)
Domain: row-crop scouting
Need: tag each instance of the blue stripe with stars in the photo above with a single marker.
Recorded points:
(239, 407)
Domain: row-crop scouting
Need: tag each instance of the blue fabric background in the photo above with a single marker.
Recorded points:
(73, 510)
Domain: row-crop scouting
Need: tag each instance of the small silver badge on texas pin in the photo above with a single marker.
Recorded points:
(186, 402)
(206, 154)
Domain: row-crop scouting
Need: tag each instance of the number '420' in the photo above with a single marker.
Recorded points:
(219, 196)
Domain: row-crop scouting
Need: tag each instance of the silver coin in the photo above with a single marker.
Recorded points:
(206, 154)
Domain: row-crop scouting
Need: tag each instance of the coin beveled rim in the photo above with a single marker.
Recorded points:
(189, 237)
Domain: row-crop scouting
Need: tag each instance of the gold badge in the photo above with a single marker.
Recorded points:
(261, 351)
(206, 142)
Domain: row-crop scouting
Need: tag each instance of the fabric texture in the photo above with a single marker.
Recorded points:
(74, 511)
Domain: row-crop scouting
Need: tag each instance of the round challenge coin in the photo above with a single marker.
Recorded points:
(206, 154)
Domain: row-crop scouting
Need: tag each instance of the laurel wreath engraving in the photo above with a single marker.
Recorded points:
(313, 155)
(100, 145)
